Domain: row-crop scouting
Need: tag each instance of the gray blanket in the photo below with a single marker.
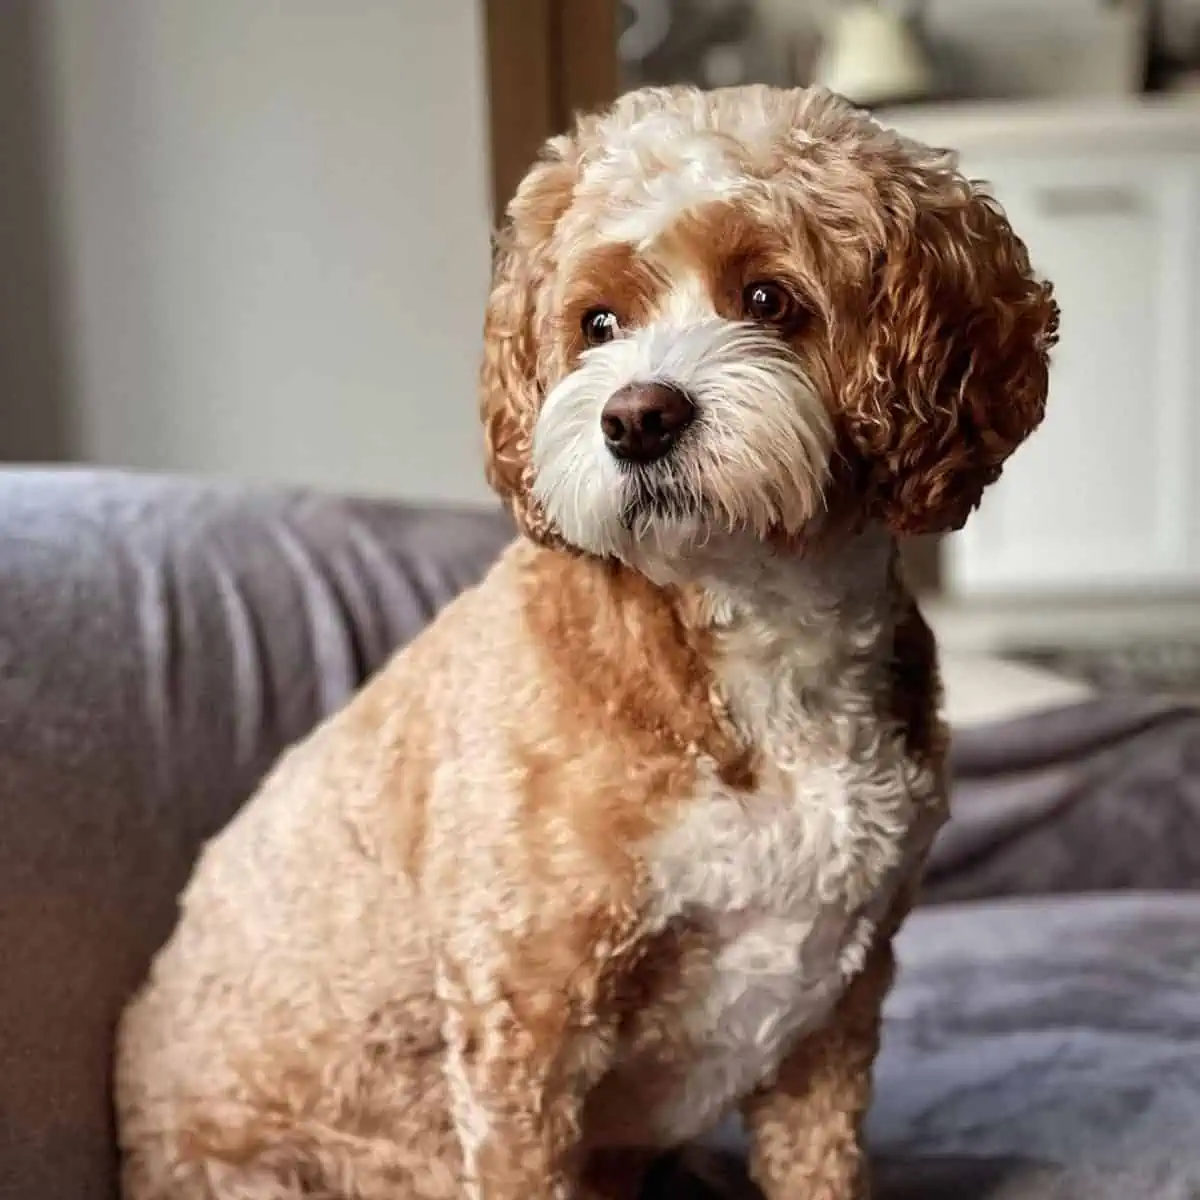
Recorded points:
(1094, 797)
(1065, 1032)
(1049, 1046)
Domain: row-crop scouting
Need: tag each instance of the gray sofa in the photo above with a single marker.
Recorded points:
(160, 641)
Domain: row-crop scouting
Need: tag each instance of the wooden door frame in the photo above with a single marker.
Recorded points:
(546, 60)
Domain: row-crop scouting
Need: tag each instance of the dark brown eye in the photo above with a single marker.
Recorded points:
(769, 302)
(600, 325)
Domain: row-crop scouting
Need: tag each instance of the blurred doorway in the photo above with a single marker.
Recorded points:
(546, 59)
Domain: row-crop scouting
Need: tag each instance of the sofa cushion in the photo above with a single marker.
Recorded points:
(1094, 796)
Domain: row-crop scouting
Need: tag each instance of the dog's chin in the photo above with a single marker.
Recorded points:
(663, 530)
(651, 502)
(672, 524)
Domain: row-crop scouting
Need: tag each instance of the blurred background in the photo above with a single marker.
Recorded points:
(249, 238)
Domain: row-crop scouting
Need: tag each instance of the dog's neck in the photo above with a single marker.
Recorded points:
(757, 637)
(803, 633)
(784, 590)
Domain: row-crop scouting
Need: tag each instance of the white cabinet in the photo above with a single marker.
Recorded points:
(1101, 496)
(1105, 497)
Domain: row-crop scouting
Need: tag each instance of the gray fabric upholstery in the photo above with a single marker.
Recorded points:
(1098, 796)
(161, 641)
(1064, 1030)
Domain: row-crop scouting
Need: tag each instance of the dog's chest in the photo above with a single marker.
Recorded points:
(766, 905)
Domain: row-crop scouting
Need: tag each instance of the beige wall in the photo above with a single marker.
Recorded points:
(273, 228)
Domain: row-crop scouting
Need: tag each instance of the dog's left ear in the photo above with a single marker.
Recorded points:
(958, 333)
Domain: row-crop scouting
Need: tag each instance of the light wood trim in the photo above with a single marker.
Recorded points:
(586, 56)
(546, 60)
(520, 99)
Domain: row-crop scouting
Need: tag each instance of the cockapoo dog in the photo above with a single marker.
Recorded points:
(619, 844)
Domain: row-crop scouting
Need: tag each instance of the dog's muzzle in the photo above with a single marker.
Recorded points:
(673, 432)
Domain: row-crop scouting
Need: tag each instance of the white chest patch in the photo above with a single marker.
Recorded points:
(780, 890)
(762, 904)
(788, 885)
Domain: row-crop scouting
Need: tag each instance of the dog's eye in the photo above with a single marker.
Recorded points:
(600, 325)
(769, 302)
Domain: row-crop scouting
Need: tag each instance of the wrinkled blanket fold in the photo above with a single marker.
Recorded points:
(1096, 796)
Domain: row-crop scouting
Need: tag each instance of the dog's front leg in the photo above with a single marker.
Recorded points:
(516, 1117)
(519, 1062)
(806, 1127)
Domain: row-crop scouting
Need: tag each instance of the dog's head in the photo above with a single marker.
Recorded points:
(734, 311)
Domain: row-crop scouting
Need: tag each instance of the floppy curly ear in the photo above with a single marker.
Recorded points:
(510, 388)
(956, 372)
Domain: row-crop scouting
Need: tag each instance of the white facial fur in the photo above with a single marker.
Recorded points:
(644, 203)
(755, 459)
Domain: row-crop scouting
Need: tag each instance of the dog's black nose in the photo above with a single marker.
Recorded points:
(642, 421)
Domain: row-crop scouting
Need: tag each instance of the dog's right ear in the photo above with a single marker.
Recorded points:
(515, 326)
